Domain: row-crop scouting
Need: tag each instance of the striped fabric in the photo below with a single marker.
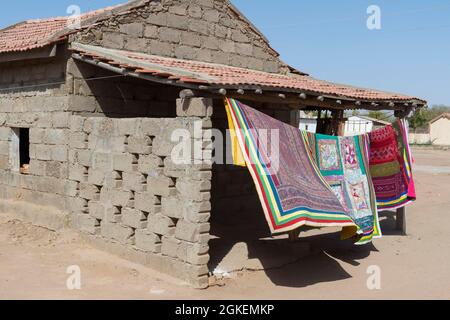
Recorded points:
(390, 165)
(291, 189)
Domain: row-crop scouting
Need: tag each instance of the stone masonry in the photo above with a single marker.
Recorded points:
(202, 30)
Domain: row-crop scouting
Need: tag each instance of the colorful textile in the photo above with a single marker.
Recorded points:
(291, 189)
(390, 166)
(349, 177)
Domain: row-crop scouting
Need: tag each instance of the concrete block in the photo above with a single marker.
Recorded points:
(113, 40)
(37, 135)
(139, 145)
(77, 205)
(37, 168)
(158, 19)
(76, 123)
(115, 196)
(161, 186)
(60, 119)
(4, 148)
(190, 39)
(96, 177)
(88, 224)
(78, 103)
(133, 181)
(59, 152)
(78, 140)
(145, 201)
(132, 29)
(192, 189)
(128, 127)
(151, 32)
(180, 10)
(115, 231)
(124, 162)
(82, 157)
(134, 218)
(5, 133)
(170, 246)
(146, 163)
(43, 152)
(193, 253)
(89, 191)
(211, 15)
(169, 35)
(190, 232)
(161, 225)
(78, 172)
(56, 169)
(195, 11)
(191, 211)
(185, 52)
(177, 21)
(102, 161)
(194, 107)
(147, 241)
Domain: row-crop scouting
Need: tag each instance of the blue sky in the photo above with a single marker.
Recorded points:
(330, 40)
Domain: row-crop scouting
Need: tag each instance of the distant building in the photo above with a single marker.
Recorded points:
(357, 125)
(440, 130)
(308, 122)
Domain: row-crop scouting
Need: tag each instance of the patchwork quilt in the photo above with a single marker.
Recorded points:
(344, 164)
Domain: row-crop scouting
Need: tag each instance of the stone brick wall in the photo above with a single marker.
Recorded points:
(41, 106)
(202, 30)
(98, 92)
(131, 193)
(100, 153)
(132, 199)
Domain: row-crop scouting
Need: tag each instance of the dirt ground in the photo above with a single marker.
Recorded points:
(34, 260)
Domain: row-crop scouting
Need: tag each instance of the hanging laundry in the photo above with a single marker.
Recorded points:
(344, 164)
(292, 193)
(390, 166)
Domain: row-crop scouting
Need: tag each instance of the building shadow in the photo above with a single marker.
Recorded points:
(309, 260)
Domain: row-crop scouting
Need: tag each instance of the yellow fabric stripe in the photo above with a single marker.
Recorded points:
(238, 157)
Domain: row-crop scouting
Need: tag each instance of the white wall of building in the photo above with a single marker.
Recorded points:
(309, 125)
(356, 126)
(440, 132)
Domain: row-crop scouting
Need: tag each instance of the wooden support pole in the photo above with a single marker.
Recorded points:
(401, 220)
(293, 235)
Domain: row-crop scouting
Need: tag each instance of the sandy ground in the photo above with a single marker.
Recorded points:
(34, 261)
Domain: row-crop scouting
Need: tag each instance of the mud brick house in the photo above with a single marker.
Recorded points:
(86, 117)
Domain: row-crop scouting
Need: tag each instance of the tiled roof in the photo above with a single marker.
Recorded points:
(195, 72)
(444, 115)
(34, 34)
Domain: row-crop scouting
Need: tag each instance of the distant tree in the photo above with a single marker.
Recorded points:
(422, 116)
(419, 119)
(355, 113)
(377, 115)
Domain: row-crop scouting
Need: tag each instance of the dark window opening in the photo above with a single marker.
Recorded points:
(24, 150)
